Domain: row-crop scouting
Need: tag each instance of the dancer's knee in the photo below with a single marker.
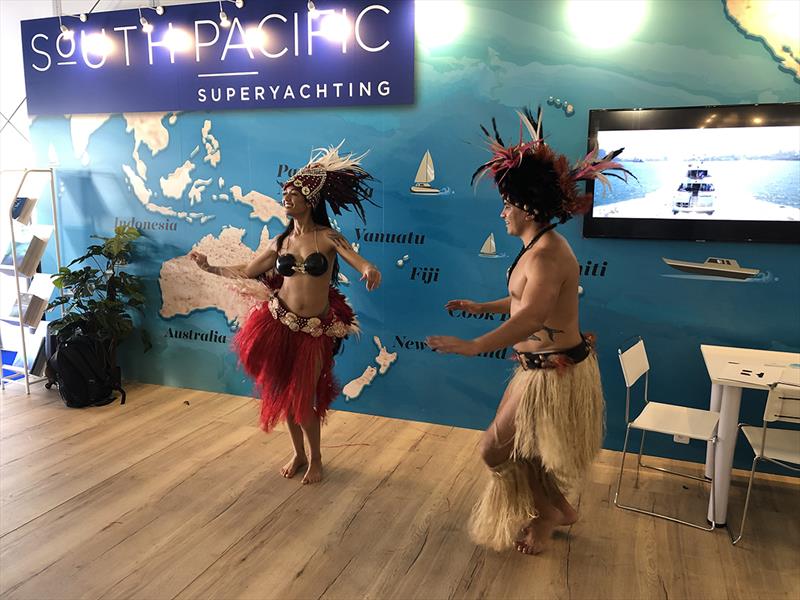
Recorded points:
(491, 454)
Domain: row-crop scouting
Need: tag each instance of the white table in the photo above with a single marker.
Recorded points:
(726, 396)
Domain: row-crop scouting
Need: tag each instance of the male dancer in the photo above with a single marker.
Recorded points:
(549, 425)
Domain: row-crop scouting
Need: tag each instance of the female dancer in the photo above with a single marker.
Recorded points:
(288, 343)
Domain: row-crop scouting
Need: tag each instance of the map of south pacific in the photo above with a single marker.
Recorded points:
(179, 169)
(188, 192)
(776, 24)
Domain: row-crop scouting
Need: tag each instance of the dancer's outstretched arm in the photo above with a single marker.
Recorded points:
(368, 271)
(501, 306)
(538, 301)
(263, 262)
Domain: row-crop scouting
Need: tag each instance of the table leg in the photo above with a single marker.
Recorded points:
(714, 404)
(723, 457)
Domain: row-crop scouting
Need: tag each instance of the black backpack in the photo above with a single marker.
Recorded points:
(84, 374)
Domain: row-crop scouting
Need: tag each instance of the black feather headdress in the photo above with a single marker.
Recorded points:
(534, 178)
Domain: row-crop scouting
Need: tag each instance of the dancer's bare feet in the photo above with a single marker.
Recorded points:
(289, 469)
(536, 535)
(314, 472)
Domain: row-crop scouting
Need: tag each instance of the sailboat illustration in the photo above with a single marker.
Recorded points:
(425, 174)
(489, 250)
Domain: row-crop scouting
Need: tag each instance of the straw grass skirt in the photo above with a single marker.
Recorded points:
(560, 422)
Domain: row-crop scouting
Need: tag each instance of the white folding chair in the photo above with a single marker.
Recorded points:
(669, 419)
(779, 446)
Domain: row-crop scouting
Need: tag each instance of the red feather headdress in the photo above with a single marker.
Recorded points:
(536, 154)
(339, 180)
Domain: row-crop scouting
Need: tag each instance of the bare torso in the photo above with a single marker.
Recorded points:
(304, 294)
(562, 329)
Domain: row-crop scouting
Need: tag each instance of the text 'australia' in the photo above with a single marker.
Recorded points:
(212, 336)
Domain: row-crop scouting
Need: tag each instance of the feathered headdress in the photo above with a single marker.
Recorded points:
(534, 178)
(339, 180)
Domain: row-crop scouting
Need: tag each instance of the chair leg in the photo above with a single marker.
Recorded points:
(735, 541)
(639, 460)
(713, 485)
(622, 464)
(618, 503)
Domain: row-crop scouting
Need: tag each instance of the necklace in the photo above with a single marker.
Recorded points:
(524, 249)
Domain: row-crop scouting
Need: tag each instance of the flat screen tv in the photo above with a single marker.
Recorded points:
(712, 173)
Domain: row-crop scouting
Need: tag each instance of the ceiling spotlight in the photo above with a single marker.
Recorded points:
(177, 40)
(98, 44)
(66, 31)
(608, 24)
(311, 7)
(255, 38)
(147, 27)
(83, 17)
(223, 18)
(438, 24)
(335, 27)
(239, 3)
(159, 10)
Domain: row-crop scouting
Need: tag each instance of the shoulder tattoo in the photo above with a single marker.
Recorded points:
(551, 333)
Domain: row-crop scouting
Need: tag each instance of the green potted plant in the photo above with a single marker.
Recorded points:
(99, 298)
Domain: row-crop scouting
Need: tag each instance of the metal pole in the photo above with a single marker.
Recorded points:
(16, 282)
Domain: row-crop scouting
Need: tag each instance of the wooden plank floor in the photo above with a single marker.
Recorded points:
(177, 495)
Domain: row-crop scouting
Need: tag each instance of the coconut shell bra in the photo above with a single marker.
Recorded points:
(315, 264)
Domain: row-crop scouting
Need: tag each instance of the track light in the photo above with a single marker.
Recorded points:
(147, 27)
(156, 7)
(65, 31)
(223, 18)
(83, 17)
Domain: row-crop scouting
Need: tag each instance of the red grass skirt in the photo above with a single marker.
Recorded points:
(282, 352)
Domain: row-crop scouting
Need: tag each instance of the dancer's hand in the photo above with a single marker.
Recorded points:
(452, 345)
(468, 306)
(373, 277)
(200, 258)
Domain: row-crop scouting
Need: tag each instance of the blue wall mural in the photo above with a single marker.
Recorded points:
(220, 168)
